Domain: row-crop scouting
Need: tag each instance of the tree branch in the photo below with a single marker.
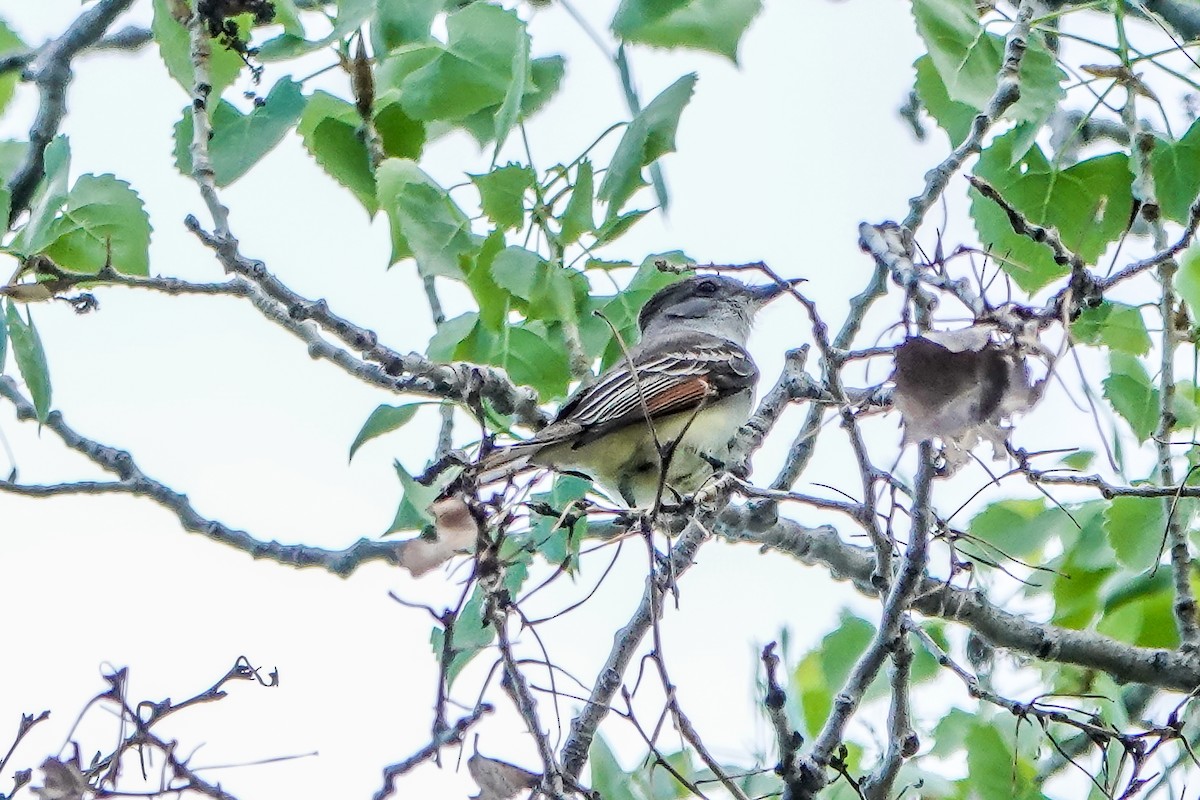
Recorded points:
(51, 74)
(134, 481)
(1008, 91)
(935, 598)
(583, 727)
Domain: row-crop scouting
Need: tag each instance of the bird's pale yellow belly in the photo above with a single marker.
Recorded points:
(626, 462)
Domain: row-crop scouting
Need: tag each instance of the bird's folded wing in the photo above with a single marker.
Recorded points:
(673, 376)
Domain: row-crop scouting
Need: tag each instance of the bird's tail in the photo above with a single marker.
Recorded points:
(505, 462)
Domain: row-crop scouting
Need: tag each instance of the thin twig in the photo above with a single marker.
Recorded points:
(134, 481)
(574, 751)
(1008, 91)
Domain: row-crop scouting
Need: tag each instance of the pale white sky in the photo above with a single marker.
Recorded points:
(778, 160)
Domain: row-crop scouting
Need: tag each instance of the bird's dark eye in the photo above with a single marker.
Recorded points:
(707, 287)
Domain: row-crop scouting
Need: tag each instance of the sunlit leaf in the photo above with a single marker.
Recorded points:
(650, 135)
(240, 140)
(331, 130)
(175, 47)
(1115, 325)
(101, 212)
(502, 194)
(1176, 169)
(1129, 390)
(426, 223)
(384, 419)
(713, 25)
(1088, 203)
(30, 358)
(1135, 527)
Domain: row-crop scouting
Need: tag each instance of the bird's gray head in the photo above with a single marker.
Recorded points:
(709, 303)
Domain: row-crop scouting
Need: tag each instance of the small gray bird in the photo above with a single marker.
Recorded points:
(689, 383)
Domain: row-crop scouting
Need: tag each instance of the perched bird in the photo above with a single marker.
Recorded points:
(680, 395)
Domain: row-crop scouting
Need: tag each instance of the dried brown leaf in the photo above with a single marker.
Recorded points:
(455, 531)
(499, 780)
(959, 386)
(61, 780)
(27, 292)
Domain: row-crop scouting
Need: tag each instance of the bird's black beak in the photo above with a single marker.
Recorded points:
(765, 294)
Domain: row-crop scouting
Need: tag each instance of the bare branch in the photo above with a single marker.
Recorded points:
(447, 738)
(1153, 666)
(411, 372)
(625, 644)
(51, 71)
(134, 481)
(1008, 91)
(900, 596)
(902, 741)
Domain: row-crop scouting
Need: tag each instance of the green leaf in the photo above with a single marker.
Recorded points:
(472, 71)
(174, 45)
(1088, 203)
(3, 343)
(1135, 527)
(1117, 326)
(541, 290)
(383, 419)
(616, 227)
(953, 117)
(401, 22)
(650, 135)
(101, 211)
(240, 140)
(968, 60)
(530, 360)
(1079, 460)
(351, 15)
(990, 763)
(47, 200)
(401, 135)
(1076, 593)
(608, 779)
(713, 25)
(447, 340)
(822, 672)
(1187, 280)
(472, 634)
(506, 117)
(330, 128)
(494, 302)
(1184, 406)
(31, 359)
(425, 222)
(287, 15)
(577, 218)
(12, 155)
(545, 78)
(1018, 528)
(965, 55)
(555, 539)
(1176, 170)
(517, 270)
(1129, 390)
(1139, 611)
(502, 194)
(413, 512)
(10, 42)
